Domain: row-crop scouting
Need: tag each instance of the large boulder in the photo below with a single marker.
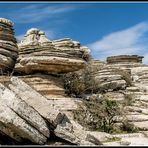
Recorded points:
(38, 54)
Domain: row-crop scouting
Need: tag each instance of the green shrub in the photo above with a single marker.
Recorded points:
(98, 114)
(82, 81)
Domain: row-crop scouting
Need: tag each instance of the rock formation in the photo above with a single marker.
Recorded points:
(8, 46)
(124, 59)
(45, 99)
(34, 103)
(38, 54)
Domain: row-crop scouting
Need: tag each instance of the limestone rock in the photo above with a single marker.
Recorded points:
(6, 21)
(8, 46)
(60, 131)
(46, 85)
(97, 137)
(115, 96)
(58, 121)
(28, 94)
(23, 110)
(134, 139)
(110, 79)
(5, 129)
(18, 125)
(124, 58)
(38, 54)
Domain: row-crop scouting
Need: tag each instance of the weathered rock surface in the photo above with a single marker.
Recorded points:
(47, 85)
(23, 110)
(124, 59)
(58, 121)
(18, 126)
(28, 94)
(109, 79)
(38, 54)
(8, 46)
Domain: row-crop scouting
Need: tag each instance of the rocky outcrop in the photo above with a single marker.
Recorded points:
(110, 79)
(17, 105)
(41, 104)
(58, 121)
(38, 54)
(47, 85)
(124, 59)
(19, 120)
(8, 46)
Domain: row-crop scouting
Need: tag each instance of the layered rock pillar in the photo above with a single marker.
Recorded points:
(41, 61)
(124, 59)
(8, 46)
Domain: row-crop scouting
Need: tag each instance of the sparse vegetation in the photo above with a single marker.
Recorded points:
(113, 139)
(85, 82)
(99, 114)
(81, 82)
(128, 127)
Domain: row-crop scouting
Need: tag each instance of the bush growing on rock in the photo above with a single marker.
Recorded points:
(98, 114)
(96, 78)
(128, 127)
(82, 81)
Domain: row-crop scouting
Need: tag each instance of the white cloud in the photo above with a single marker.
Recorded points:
(49, 34)
(128, 41)
(37, 13)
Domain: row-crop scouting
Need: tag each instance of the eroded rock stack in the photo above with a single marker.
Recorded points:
(38, 54)
(125, 62)
(124, 59)
(8, 46)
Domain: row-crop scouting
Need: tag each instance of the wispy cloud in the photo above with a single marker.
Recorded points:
(129, 41)
(36, 13)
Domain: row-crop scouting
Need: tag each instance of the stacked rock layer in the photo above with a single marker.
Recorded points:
(124, 59)
(38, 54)
(8, 46)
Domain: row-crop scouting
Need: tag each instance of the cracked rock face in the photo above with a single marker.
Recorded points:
(8, 46)
(38, 54)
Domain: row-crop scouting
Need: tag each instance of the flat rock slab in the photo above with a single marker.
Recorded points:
(48, 64)
(141, 125)
(137, 118)
(18, 126)
(23, 110)
(139, 141)
(37, 101)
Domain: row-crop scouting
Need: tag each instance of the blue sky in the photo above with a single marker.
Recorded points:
(106, 28)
